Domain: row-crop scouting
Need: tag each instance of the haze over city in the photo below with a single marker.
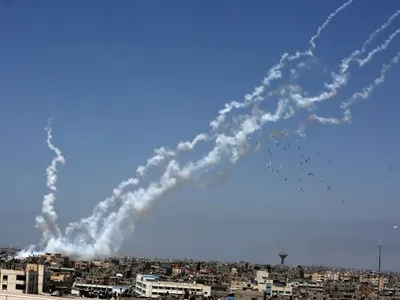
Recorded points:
(121, 80)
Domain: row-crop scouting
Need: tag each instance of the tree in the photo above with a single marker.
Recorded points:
(198, 267)
(301, 272)
(269, 268)
(147, 268)
(186, 294)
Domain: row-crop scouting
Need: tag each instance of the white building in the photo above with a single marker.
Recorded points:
(77, 286)
(261, 280)
(7, 296)
(271, 288)
(304, 286)
(332, 276)
(151, 287)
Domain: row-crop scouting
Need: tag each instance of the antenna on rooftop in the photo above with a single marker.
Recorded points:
(379, 269)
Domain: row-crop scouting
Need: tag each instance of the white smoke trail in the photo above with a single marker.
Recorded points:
(184, 146)
(328, 20)
(345, 63)
(161, 153)
(274, 73)
(341, 79)
(382, 47)
(47, 221)
(364, 94)
(103, 241)
(118, 223)
(331, 120)
(115, 227)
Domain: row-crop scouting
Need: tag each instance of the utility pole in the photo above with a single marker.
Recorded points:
(379, 269)
(394, 289)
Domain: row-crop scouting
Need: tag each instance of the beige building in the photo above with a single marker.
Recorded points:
(279, 289)
(17, 281)
(306, 286)
(33, 280)
(151, 287)
(332, 276)
(7, 296)
(240, 283)
(42, 276)
(318, 277)
(248, 295)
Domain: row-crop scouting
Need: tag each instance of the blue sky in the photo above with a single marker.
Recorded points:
(123, 79)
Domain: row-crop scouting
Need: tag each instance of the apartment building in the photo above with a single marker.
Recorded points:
(151, 287)
(278, 289)
(318, 277)
(98, 288)
(271, 287)
(210, 279)
(40, 275)
(240, 283)
(29, 281)
(262, 277)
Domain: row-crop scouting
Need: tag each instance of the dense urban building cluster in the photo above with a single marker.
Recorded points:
(133, 277)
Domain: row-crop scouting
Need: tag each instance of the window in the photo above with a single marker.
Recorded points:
(4, 287)
(21, 277)
(20, 287)
(5, 277)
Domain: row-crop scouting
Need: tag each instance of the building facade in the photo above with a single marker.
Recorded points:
(7, 296)
(78, 286)
(151, 287)
(33, 280)
(271, 287)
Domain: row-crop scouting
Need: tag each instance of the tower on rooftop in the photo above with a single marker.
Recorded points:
(283, 255)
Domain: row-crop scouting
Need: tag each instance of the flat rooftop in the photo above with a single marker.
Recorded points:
(11, 296)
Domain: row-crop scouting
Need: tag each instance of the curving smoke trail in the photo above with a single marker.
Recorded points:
(341, 79)
(47, 221)
(162, 154)
(100, 235)
(345, 62)
(363, 62)
(119, 223)
(364, 94)
(328, 20)
(274, 73)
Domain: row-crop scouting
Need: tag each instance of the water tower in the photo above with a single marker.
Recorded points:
(283, 255)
